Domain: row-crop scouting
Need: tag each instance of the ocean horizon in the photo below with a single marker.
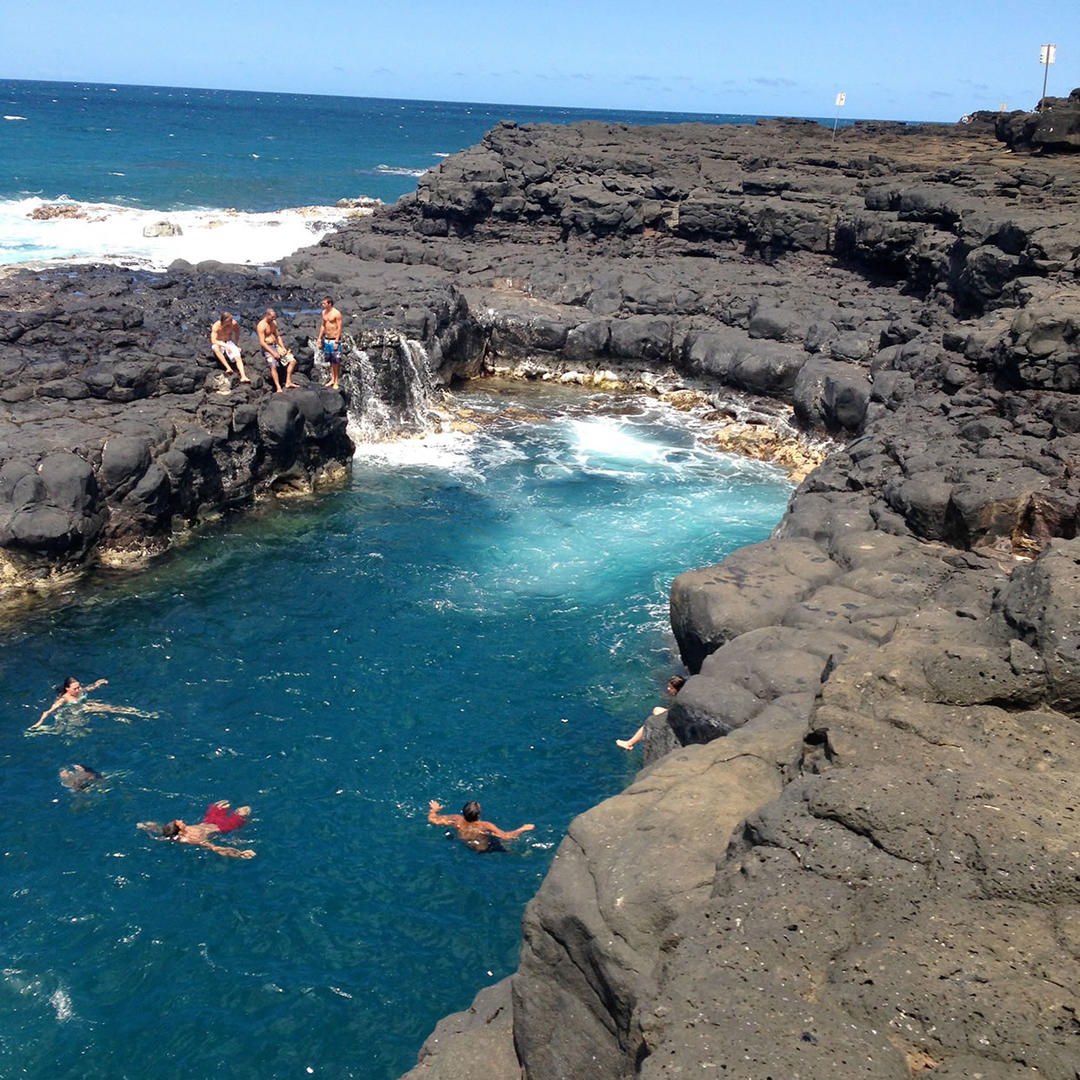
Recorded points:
(245, 176)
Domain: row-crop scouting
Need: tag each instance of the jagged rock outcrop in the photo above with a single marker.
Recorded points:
(1054, 126)
(118, 429)
(851, 854)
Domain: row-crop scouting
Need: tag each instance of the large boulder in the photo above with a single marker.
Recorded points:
(1042, 603)
(1055, 127)
(758, 366)
(754, 587)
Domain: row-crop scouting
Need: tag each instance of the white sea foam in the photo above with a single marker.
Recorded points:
(14, 117)
(449, 450)
(60, 1000)
(606, 439)
(107, 232)
(399, 170)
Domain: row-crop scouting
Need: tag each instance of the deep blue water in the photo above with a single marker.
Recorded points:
(169, 148)
(477, 616)
(228, 167)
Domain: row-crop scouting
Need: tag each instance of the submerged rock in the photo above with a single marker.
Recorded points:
(162, 228)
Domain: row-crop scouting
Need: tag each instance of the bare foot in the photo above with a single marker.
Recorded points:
(244, 811)
(292, 386)
(229, 371)
(328, 384)
(245, 380)
(223, 803)
(278, 390)
(624, 744)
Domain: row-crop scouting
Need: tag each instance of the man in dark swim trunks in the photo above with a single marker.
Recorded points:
(217, 819)
(479, 835)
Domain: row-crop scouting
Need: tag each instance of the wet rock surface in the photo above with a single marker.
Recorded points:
(854, 851)
(119, 429)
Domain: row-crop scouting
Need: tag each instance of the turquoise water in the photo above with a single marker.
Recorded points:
(474, 616)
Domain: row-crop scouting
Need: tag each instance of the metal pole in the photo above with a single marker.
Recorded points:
(1046, 58)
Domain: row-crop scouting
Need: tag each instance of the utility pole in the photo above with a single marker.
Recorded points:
(1047, 55)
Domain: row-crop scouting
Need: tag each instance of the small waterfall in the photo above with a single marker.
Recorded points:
(387, 381)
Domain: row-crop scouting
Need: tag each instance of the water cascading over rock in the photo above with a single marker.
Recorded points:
(388, 384)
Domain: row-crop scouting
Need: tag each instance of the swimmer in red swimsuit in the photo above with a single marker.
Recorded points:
(217, 819)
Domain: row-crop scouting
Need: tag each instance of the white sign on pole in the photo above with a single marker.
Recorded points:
(840, 99)
(1047, 54)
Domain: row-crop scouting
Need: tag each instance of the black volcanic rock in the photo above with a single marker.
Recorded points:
(1053, 128)
(116, 427)
(852, 852)
(910, 292)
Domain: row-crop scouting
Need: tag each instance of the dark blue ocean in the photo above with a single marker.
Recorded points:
(169, 148)
(473, 616)
(128, 154)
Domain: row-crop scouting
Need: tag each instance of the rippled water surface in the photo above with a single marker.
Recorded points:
(478, 616)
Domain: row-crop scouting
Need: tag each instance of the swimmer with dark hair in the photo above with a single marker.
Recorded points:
(674, 685)
(79, 777)
(74, 693)
(479, 835)
(217, 819)
(71, 692)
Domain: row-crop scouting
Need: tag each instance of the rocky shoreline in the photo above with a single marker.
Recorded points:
(874, 871)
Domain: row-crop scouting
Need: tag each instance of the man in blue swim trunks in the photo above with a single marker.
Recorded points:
(330, 340)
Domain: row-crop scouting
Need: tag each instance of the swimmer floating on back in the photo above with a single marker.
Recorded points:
(477, 834)
(74, 693)
(217, 819)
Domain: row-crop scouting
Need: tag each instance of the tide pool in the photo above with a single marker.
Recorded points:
(475, 616)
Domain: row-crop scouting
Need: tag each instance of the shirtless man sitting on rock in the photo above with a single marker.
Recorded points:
(225, 341)
(274, 350)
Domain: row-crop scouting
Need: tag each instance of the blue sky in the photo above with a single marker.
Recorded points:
(917, 61)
